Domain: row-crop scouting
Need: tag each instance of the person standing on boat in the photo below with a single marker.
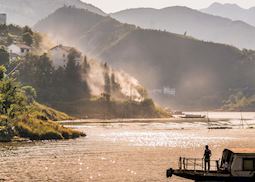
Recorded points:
(207, 156)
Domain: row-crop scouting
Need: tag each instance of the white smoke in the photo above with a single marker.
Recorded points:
(95, 78)
(129, 85)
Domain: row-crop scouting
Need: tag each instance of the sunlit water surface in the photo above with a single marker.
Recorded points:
(117, 152)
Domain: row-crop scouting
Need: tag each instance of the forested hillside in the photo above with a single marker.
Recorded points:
(82, 88)
(28, 12)
(201, 74)
(20, 114)
(190, 22)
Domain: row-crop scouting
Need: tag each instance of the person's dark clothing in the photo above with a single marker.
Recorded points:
(207, 156)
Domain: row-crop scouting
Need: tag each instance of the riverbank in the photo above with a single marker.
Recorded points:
(99, 108)
(37, 124)
(215, 121)
(130, 120)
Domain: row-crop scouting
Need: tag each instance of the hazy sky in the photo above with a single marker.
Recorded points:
(116, 5)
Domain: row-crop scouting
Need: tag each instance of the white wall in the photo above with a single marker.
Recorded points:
(17, 50)
(14, 49)
(237, 166)
(3, 18)
(59, 57)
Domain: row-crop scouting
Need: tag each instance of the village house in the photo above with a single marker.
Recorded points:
(3, 18)
(59, 55)
(18, 50)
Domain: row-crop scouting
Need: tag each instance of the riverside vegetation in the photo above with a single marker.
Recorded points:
(68, 87)
(22, 116)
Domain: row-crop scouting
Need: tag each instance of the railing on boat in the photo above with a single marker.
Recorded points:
(197, 164)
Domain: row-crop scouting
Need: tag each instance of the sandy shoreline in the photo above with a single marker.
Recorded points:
(134, 120)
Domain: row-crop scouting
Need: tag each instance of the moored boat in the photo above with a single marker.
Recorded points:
(236, 165)
(193, 116)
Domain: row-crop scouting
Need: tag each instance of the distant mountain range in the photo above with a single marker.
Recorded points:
(183, 20)
(28, 12)
(178, 70)
(232, 11)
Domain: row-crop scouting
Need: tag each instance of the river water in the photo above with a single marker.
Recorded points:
(118, 152)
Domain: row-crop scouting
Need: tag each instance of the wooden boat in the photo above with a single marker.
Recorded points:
(193, 116)
(236, 165)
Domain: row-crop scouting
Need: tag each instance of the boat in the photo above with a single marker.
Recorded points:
(180, 114)
(193, 116)
(236, 165)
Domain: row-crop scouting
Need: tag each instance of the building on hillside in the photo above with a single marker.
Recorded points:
(59, 55)
(3, 18)
(18, 50)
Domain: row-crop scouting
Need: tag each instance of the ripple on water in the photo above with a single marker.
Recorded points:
(130, 152)
(164, 139)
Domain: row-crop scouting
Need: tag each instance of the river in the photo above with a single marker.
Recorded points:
(112, 152)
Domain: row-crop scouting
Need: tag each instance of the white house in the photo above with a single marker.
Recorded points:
(3, 18)
(19, 49)
(59, 55)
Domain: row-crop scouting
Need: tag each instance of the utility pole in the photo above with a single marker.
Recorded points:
(242, 124)
(208, 119)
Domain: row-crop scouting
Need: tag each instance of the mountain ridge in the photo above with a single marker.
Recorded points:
(232, 11)
(29, 12)
(178, 70)
(184, 20)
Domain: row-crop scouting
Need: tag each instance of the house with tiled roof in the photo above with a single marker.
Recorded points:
(59, 55)
(19, 49)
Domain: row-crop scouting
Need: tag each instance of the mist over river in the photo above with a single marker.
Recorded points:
(119, 151)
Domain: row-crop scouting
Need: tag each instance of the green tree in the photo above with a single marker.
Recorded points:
(115, 86)
(55, 84)
(4, 56)
(27, 29)
(74, 82)
(27, 38)
(13, 98)
(30, 93)
(9, 40)
(2, 72)
(107, 80)
(37, 71)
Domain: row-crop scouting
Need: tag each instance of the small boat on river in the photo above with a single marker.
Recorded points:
(236, 165)
(180, 114)
(193, 116)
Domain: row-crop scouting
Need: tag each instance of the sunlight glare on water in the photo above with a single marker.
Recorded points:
(164, 139)
(114, 152)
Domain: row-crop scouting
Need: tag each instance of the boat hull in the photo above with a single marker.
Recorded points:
(201, 176)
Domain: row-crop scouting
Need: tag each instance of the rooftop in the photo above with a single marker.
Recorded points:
(242, 150)
(66, 48)
(23, 46)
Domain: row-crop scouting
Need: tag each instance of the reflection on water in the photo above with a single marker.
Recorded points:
(164, 139)
(117, 152)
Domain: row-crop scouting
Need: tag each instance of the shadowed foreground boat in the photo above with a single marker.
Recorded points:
(236, 165)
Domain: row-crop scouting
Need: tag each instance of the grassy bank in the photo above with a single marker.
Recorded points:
(38, 124)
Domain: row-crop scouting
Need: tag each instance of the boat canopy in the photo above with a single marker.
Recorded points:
(240, 151)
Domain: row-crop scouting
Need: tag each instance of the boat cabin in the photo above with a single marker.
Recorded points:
(236, 165)
(239, 161)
